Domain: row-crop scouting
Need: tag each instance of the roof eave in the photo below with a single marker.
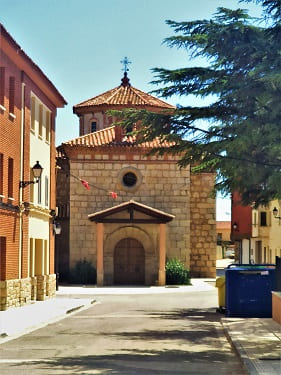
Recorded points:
(27, 65)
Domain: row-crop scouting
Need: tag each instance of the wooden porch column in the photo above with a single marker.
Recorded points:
(100, 231)
(162, 255)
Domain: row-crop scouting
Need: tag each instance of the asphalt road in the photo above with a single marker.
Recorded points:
(169, 334)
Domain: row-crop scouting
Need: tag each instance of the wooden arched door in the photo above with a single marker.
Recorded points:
(129, 262)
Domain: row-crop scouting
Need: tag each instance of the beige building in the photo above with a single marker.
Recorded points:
(125, 211)
(266, 233)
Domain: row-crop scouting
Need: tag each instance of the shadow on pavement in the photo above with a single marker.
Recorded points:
(139, 362)
(188, 347)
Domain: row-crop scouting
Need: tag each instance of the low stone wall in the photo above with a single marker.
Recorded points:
(14, 293)
(41, 287)
(51, 286)
(19, 292)
(33, 288)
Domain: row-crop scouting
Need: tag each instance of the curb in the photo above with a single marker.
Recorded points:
(80, 307)
(246, 362)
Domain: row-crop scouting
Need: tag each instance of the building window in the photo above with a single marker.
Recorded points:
(48, 127)
(93, 126)
(40, 128)
(263, 222)
(39, 191)
(10, 178)
(2, 88)
(129, 129)
(46, 191)
(32, 124)
(129, 179)
(1, 176)
(11, 95)
(63, 210)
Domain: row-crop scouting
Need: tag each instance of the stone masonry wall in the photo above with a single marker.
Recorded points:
(14, 293)
(164, 186)
(203, 226)
(19, 292)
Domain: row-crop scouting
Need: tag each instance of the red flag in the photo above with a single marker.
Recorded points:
(113, 194)
(86, 184)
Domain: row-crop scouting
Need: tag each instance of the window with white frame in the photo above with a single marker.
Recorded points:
(39, 196)
(46, 191)
(10, 179)
(40, 119)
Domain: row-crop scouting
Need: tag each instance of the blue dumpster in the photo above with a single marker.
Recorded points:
(248, 290)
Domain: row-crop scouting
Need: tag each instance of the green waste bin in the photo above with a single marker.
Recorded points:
(220, 284)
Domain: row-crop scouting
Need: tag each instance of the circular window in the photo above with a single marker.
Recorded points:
(129, 179)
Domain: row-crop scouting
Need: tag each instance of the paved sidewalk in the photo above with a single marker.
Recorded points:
(16, 322)
(257, 342)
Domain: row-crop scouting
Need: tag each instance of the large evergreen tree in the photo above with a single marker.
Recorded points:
(239, 134)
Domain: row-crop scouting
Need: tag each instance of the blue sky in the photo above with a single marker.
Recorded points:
(79, 44)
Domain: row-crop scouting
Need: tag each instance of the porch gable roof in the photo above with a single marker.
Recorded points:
(131, 208)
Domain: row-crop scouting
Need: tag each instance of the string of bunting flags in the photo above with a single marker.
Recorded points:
(87, 184)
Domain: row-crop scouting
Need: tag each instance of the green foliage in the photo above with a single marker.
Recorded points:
(83, 273)
(238, 134)
(176, 273)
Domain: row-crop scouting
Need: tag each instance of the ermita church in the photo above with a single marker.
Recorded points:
(124, 211)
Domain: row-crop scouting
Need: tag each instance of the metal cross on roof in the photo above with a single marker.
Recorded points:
(125, 62)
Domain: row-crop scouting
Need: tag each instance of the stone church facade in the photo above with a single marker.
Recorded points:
(125, 211)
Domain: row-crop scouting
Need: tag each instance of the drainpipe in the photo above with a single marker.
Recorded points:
(21, 172)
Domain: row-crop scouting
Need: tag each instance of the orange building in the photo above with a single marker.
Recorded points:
(256, 231)
(28, 104)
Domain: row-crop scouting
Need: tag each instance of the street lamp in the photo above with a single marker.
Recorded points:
(275, 213)
(37, 171)
(56, 228)
(235, 226)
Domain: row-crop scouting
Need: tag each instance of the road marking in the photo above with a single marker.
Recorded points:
(25, 360)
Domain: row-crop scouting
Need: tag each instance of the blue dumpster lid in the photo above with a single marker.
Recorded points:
(250, 267)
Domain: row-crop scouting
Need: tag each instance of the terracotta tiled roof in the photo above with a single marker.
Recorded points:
(124, 95)
(109, 137)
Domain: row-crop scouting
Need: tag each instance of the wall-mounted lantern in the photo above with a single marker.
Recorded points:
(56, 228)
(235, 226)
(275, 213)
(37, 171)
